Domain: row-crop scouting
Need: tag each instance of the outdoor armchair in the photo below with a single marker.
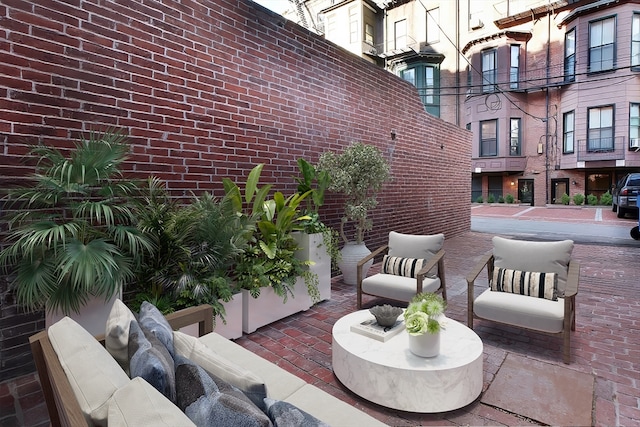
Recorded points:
(532, 285)
(411, 264)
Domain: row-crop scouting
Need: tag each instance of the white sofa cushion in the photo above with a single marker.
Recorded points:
(396, 287)
(330, 409)
(93, 373)
(546, 257)
(280, 383)
(222, 367)
(532, 313)
(126, 403)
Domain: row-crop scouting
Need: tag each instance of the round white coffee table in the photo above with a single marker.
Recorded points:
(388, 374)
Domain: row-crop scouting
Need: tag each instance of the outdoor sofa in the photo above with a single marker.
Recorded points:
(67, 405)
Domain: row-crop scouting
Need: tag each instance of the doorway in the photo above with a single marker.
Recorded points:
(558, 188)
(525, 191)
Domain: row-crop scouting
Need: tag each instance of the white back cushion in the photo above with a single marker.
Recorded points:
(544, 257)
(94, 375)
(414, 246)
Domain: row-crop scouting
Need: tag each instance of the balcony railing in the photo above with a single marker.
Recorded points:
(596, 149)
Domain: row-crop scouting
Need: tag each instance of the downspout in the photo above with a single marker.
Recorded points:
(546, 120)
(458, 63)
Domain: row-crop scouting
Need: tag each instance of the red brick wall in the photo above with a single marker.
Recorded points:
(209, 89)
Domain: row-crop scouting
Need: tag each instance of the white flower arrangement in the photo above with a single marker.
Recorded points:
(423, 313)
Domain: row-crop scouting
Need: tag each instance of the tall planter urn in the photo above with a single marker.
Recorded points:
(352, 253)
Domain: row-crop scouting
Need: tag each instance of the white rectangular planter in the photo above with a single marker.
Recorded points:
(233, 315)
(269, 307)
(312, 248)
(92, 316)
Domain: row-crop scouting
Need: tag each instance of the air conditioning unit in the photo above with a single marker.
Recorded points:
(634, 143)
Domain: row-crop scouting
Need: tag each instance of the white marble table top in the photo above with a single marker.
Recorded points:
(387, 373)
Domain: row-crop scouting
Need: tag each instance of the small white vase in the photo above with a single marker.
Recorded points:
(425, 345)
(351, 254)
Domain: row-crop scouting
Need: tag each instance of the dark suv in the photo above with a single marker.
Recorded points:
(625, 194)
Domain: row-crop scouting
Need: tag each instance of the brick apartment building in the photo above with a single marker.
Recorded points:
(550, 89)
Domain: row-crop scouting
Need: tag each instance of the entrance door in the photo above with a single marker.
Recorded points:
(525, 191)
(558, 188)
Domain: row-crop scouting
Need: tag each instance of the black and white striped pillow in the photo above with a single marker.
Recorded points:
(540, 285)
(398, 266)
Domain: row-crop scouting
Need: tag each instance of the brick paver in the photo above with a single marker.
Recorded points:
(606, 343)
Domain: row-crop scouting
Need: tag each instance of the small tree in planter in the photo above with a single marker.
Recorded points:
(73, 234)
(358, 173)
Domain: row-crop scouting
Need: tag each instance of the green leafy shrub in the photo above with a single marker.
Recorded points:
(479, 199)
(500, 199)
(491, 198)
(565, 199)
(509, 199)
(592, 200)
(578, 199)
(606, 199)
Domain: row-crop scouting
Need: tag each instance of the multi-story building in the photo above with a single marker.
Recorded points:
(550, 89)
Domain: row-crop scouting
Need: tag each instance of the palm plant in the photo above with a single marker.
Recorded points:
(196, 246)
(72, 232)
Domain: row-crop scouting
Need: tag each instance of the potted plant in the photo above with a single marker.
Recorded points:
(72, 235)
(422, 320)
(318, 243)
(197, 244)
(358, 173)
(269, 269)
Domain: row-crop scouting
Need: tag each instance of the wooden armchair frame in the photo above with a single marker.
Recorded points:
(571, 290)
(438, 259)
(64, 409)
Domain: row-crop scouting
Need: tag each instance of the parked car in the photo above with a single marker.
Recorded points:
(625, 194)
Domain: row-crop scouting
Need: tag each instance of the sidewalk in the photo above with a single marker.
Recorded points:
(584, 214)
(605, 349)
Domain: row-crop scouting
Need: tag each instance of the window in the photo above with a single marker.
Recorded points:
(488, 138)
(514, 71)
(368, 34)
(489, 71)
(494, 186)
(400, 34)
(602, 36)
(600, 136)
(425, 77)
(635, 40)
(568, 132)
(634, 126)
(433, 22)
(353, 25)
(570, 56)
(515, 137)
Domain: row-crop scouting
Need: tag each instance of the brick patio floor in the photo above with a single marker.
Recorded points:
(606, 344)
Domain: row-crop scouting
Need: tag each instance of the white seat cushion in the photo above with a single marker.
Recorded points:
(125, 407)
(519, 310)
(399, 288)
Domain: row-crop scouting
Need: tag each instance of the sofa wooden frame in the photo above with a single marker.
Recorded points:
(64, 409)
(571, 290)
(438, 258)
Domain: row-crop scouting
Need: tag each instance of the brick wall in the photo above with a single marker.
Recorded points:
(209, 89)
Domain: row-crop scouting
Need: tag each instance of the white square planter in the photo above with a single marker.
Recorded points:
(312, 248)
(233, 315)
(269, 307)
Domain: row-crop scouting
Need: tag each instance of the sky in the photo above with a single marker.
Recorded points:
(278, 6)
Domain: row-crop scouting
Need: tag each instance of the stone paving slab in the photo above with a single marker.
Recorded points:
(550, 394)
